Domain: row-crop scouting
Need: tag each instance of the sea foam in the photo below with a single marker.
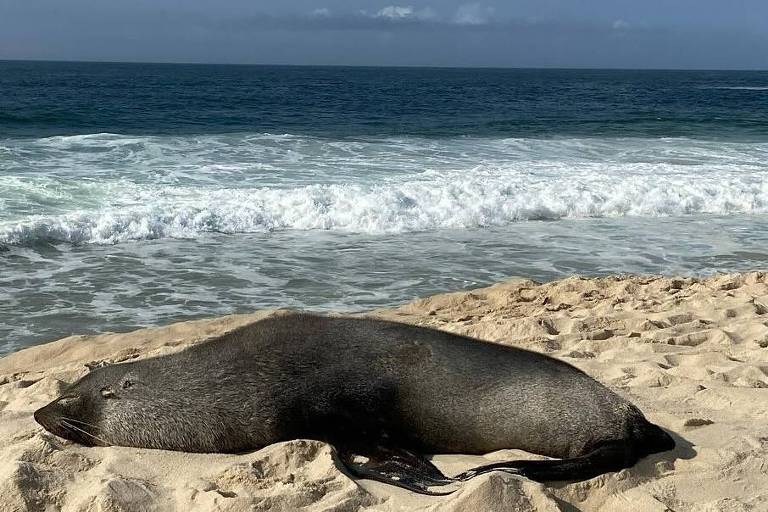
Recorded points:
(109, 189)
(477, 199)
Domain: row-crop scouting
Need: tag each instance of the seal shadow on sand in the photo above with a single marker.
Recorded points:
(646, 470)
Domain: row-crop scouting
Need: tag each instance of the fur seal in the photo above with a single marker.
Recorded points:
(382, 393)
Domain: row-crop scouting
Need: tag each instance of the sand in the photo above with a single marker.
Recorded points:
(691, 353)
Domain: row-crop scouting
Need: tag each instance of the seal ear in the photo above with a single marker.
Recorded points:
(93, 365)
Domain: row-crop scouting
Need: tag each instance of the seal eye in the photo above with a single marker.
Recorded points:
(127, 384)
(107, 392)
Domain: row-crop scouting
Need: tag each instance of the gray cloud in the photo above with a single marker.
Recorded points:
(472, 17)
(473, 14)
(407, 12)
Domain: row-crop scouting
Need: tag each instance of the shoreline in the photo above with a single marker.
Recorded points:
(691, 353)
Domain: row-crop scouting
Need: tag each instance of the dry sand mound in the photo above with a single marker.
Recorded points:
(691, 353)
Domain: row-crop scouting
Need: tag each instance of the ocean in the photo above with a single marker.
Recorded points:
(140, 194)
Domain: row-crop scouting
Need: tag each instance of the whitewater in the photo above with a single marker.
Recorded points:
(108, 188)
(108, 231)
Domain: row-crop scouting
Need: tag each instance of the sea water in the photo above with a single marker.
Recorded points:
(138, 194)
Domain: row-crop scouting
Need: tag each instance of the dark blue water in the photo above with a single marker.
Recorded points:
(135, 194)
(42, 99)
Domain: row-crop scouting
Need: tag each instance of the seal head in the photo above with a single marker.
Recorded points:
(76, 414)
(115, 405)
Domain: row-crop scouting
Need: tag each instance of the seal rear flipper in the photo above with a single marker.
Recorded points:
(395, 466)
(612, 456)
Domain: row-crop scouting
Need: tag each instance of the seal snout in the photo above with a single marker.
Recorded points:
(47, 417)
(56, 418)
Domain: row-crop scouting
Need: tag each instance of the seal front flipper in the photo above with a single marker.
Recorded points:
(394, 466)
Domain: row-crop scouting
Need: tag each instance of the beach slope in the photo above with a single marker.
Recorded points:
(691, 353)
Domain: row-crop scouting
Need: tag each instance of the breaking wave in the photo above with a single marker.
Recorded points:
(478, 198)
(107, 188)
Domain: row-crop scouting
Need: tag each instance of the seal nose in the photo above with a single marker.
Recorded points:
(48, 415)
(43, 416)
(50, 418)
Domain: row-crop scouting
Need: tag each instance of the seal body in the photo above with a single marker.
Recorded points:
(357, 383)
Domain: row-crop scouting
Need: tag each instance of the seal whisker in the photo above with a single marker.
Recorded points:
(63, 424)
(78, 429)
(72, 420)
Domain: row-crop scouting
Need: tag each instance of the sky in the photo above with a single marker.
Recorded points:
(677, 34)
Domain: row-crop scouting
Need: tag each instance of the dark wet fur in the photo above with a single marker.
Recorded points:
(381, 392)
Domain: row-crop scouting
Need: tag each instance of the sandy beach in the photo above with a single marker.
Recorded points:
(691, 353)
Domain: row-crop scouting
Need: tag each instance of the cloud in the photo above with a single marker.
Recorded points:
(467, 18)
(394, 12)
(473, 14)
(399, 13)
(620, 25)
(322, 12)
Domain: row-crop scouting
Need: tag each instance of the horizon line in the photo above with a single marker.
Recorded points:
(385, 66)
